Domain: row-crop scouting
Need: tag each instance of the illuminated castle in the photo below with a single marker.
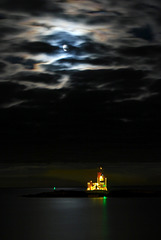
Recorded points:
(101, 183)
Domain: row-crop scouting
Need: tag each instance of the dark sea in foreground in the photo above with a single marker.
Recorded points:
(77, 218)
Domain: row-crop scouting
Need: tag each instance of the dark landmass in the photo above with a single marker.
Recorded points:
(110, 194)
(68, 193)
(135, 193)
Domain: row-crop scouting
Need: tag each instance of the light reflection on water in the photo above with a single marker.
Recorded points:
(79, 218)
(103, 219)
(54, 218)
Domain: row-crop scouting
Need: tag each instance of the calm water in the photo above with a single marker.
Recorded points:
(78, 218)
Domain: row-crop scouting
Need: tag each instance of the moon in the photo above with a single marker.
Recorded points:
(65, 48)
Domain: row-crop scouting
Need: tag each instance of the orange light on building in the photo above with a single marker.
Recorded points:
(101, 183)
(101, 178)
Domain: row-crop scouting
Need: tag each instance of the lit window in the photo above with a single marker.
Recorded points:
(101, 178)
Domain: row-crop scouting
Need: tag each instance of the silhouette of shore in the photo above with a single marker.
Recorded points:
(110, 194)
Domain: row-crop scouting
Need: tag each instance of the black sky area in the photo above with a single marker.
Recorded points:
(95, 101)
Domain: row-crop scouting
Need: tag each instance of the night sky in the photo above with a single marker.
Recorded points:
(80, 87)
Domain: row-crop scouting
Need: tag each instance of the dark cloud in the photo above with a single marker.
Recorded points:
(5, 30)
(142, 6)
(28, 64)
(119, 77)
(147, 51)
(100, 19)
(36, 77)
(36, 47)
(98, 61)
(30, 6)
(104, 12)
(143, 32)
(2, 66)
(98, 100)
(2, 16)
(156, 86)
(94, 47)
(104, 61)
(37, 24)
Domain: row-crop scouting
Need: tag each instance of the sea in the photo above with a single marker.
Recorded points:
(118, 218)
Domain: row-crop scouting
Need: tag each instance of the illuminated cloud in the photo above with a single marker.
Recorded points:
(104, 91)
(14, 103)
(32, 85)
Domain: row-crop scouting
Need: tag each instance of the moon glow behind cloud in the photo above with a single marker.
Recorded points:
(81, 77)
(65, 48)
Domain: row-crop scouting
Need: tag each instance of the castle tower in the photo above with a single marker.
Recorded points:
(101, 183)
(99, 175)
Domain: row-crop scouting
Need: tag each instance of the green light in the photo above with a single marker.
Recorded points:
(104, 197)
(54, 188)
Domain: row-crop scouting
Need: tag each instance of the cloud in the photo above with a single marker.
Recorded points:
(27, 63)
(13, 91)
(126, 78)
(104, 91)
(5, 30)
(36, 77)
(144, 32)
(141, 97)
(43, 85)
(142, 51)
(2, 66)
(99, 61)
(36, 47)
(63, 37)
(13, 103)
(30, 6)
